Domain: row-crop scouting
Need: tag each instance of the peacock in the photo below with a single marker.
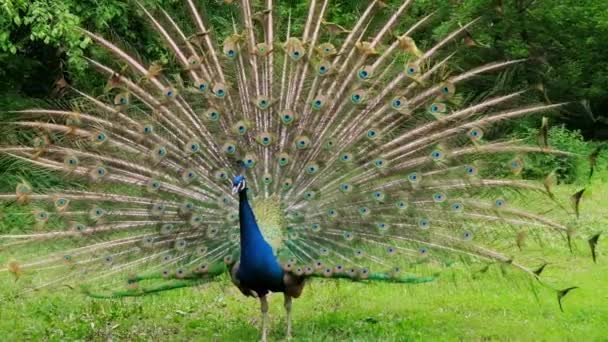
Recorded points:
(290, 148)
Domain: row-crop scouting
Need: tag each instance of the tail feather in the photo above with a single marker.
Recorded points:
(370, 156)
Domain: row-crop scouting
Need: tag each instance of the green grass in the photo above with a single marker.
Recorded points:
(460, 305)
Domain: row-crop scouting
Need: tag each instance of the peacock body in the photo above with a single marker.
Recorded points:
(359, 156)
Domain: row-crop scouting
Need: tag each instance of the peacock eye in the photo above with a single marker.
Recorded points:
(101, 171)
(470, 170)
(423, 224)
(423, 251)
(317, 104)
(322, 69)
(220, 93)
(379, 163)
(372, 133)
(356, 98)
(436, 155)
(467, 236)
(363, 210)
(346, 157)
(231, 53)
(101, 137)
(363, 74)
(413, 177)
(499, 203)
(457, 207)
(213, 115)
(439, 197)
(202, 86)
(345, 187)
(148, 129)
(401, 204)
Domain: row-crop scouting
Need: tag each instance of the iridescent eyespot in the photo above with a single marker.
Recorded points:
(231, 53)
(516, 165)
(287, 117)
(302, 142)
(324, 68)
(240, 127)
(499, 203)
(220, 93)
(457, 207)
(188, 175)
(180, 244)
(324, 251)
(372, 134)
(193, 147)
(437, 155)
(364, 211)
(381, 226)
(309, 195)
(202, 86)
(345, 187)
(100, 171)
(467, 235)
(283, 159)
(311, 169)
(229, 148)
(263, 103)
(424, 224)
(42, 216)
(148, 129)
(317, 103)
(60, 202)
(264, 139)
(287, 184)
(380, 163)
(159, 152)
(413, 177)
(363, 74)
(79, 227)
(378, 195)
(439, 197)
(411, 70)
(423, 251)
(437, 108)
(71, 161)
(348, 236)
(332, 213)
(346, 157)
(475, 133)
(166, 229)
(196, 220)
(153, 185)
(249, 161)
(390, 250)
(447, 89)
(212, 114)
(169, 92)
(329, 144)
(470, 170)
(401, 204)
(267, 179)
(101, 137)
(315, 227)
(359, 253)
(296, 55)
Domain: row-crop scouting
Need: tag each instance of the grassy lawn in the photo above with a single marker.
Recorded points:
(458, 306)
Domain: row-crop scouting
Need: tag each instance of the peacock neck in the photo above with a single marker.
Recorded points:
(251, 236)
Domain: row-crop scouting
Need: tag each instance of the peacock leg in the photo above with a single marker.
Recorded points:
(288, 311)
(264, 308)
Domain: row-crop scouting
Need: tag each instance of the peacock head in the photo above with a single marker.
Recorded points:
(238, 184)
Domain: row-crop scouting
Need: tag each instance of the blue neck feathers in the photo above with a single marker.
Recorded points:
(258, 268)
